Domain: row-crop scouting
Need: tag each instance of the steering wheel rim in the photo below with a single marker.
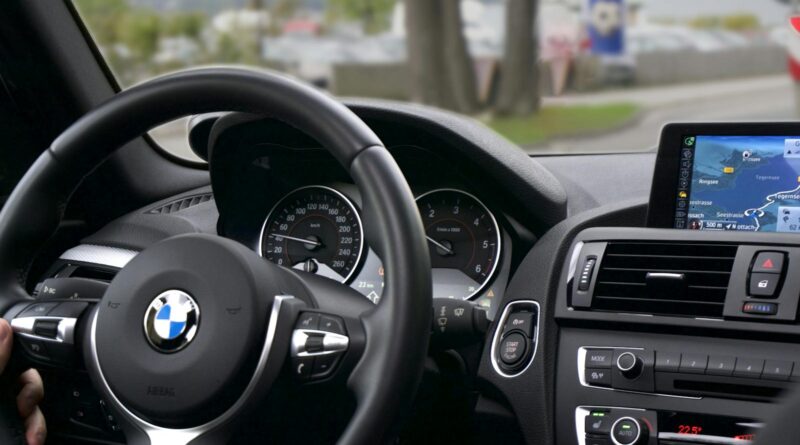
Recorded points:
(397, 330)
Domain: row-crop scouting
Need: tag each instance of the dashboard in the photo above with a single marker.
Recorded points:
(284, 196)
(661, 312)
(680, 331)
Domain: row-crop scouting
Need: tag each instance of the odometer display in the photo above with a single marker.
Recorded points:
(464, 242)
(315, 229)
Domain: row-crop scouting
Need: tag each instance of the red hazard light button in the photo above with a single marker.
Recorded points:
(768, 262)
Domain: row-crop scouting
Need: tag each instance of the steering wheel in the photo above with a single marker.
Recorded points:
(192, 333)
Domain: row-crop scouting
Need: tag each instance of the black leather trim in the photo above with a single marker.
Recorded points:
(391, 218)
(399, 328)
(513, 169)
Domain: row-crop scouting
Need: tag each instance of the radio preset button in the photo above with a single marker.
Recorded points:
(668, 361)
(694, 363)
(777, 370)
(748, 367)
(721, 365)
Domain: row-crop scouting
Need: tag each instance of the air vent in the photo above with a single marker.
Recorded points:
(181, 204)
(681, 279)
(93, 273)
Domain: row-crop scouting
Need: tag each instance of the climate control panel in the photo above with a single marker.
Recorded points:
(603, 425)
(615, 426)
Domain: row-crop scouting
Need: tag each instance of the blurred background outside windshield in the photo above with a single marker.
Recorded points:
(554, 76)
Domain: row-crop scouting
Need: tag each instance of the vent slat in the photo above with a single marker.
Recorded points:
(667, 270)
(181, 204)
(623, 285)
(628, 255)
(646, 300)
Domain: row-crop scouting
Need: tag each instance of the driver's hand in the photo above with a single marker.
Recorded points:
(30, 394)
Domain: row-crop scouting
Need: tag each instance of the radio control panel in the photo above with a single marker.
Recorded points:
(684, 374)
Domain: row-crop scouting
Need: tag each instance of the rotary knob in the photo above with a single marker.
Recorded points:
(630, 365)
(629, 431)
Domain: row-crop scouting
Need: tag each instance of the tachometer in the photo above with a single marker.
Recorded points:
(315, 229)
(464, 242)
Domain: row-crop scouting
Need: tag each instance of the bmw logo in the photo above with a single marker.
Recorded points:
(170, 322)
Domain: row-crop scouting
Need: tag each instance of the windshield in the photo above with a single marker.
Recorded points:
(553, 76)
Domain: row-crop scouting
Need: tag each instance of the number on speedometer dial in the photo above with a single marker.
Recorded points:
(315, 229)
(464, 242)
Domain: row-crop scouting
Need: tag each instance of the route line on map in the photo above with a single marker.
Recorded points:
(770, 200)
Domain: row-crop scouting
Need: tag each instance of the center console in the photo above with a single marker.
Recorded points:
(686, 332)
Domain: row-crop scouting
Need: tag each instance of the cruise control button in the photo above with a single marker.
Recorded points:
(314, 343)
(768, 262)
(597, 377)
(720, 365)
(512, 349)
(323, 364)
(693, 363)
(777, 370)
(46, 328)
(668, 361)
(763, 285)
(68, 309)
(748, 367)
(328, 323)
(599, 358)
(37, 310)
(308, 320)
(35, 348)
(522, 321)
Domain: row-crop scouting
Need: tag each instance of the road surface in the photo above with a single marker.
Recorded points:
(758, 99)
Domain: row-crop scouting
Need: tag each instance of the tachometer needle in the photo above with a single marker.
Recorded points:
(448, 250)
(296, 239)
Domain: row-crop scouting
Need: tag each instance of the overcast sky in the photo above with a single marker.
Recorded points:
(769, 11)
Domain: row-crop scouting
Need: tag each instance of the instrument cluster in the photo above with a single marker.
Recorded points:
(318, 229)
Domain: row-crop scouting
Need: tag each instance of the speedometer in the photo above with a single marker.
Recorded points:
(315, 229)
(464, 242)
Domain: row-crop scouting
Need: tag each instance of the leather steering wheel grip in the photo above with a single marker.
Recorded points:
(397, 330)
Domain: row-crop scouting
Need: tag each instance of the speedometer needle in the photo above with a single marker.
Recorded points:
(440, 245)
(298, 240)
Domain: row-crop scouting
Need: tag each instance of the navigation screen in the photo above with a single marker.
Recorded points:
(746, 183)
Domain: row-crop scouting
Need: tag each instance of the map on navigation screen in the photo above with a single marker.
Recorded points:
(746, 183)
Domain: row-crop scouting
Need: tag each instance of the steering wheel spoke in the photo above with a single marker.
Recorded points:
(141, 430)
(49, 332)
